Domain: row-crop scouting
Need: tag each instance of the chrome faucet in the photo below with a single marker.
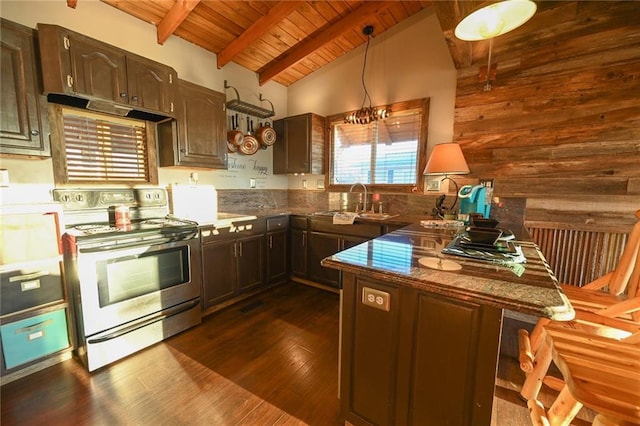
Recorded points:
(364, 202)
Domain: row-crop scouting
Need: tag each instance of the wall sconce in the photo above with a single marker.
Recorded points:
(446, 159)
(491, 20)
(366, 115)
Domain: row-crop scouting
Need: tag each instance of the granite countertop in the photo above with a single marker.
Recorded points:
(399, 219)
(398, 257)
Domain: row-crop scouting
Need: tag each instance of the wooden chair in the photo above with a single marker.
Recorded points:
(614, 312)
(600, 373)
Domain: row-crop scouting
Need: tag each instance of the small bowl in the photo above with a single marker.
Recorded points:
(487, 236)
(481, 222)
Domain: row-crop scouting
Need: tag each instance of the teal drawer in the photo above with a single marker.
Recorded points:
(33, 338)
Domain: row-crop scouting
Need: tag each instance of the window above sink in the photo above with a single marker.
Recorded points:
(386, 155)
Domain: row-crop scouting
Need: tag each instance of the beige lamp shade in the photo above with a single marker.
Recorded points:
(446, 159)
(494, 19)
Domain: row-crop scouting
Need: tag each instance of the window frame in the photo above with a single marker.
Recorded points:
(422, 103)
(58, 148)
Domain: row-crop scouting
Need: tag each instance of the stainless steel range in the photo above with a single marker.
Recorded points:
(133, 270)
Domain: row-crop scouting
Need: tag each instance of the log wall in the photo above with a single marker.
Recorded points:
(561, 126)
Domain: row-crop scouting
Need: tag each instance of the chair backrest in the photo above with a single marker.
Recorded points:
(625, 277)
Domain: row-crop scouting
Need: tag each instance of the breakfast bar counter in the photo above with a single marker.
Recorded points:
(421, 329)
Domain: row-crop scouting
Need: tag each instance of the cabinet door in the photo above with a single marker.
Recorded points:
(249, 252)
(293, 154)
(276, 256)
(465, 371)
(350, 241)
(22, 129)
(218, 272)
(299, 252)
(98, 70)
(434, 356)
(201, 130)
(320, 246)
(151, 85)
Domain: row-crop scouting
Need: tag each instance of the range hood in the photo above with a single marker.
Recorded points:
(105, 107)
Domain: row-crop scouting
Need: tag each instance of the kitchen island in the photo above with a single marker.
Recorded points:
(420, 330)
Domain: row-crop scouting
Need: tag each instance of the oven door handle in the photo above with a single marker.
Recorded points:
(147, 321)
(141, 243)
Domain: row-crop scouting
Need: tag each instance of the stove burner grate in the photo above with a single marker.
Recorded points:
(92, 228)
(165, 222)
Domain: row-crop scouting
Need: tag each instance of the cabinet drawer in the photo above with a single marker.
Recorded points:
(32, 338)
(357, 229)
(30, 287)
(299, 222)
(276, 223)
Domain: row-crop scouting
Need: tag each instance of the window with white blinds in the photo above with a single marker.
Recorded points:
(105, 150)
(384, 152)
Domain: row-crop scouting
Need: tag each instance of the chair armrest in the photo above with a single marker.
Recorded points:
(599, 283)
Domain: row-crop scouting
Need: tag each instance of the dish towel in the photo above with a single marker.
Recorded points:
(344, 218)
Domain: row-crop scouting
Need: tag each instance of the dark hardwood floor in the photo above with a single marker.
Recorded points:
(269, 360)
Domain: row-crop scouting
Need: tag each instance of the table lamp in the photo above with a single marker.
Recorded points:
(446, 159)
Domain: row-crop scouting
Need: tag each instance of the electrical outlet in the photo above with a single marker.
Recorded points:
(376, 299)
(252, 183)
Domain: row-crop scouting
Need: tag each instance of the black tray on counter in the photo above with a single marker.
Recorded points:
(501, 246)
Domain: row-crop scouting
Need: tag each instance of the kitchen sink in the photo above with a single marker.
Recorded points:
(373, 216)
(377, 216)
(327, 213)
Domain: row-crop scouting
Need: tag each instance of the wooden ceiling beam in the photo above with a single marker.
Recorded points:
(276, 14)
(172, 20)
(355, 18)
(449, 14)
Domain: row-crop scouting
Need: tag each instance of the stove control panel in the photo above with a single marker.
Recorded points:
(97, 198)
(151, 196)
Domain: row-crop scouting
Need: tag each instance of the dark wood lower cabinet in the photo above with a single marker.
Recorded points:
(277, 256)
(233, 262)
(321, 245)
(219, 272)
(250, 262)
(299, 252)
(429, 360)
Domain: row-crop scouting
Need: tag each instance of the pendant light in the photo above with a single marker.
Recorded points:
(366, 115)
(493, 19)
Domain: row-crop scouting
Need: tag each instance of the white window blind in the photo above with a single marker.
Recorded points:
(382, 152)
(99, 150)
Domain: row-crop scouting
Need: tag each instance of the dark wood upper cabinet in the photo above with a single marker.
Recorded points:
(76, 65)
(151, 85)
(197, 138)
(96, 69)
(300, 145)
(23, 116)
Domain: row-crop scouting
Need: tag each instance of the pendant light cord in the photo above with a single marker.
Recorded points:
(364, 66)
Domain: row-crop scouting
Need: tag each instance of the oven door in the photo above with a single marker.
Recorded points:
(117, 286)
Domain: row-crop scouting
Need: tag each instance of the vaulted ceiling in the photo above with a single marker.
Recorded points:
(282, 41)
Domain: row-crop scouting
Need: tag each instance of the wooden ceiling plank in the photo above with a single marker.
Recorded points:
(315, 41)
(277, 13)
(325, 9)
(178, 13)
(150, 12)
